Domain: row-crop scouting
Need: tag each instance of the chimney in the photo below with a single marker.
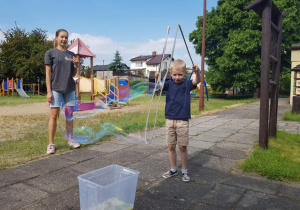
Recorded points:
(154, 53)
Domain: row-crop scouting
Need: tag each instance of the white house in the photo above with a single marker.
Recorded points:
(144, 64)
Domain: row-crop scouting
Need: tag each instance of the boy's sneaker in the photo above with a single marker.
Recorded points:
(170, 173)
(73, 144)
(185, 177)
(51, 149)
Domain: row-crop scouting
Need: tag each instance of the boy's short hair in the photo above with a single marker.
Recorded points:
(178, 64)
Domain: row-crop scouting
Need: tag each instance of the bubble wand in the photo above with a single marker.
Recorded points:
(161, 83)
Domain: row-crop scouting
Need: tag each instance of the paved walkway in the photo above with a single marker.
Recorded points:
(217, 143)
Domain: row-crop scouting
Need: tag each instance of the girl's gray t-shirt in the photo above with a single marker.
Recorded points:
(62, 70)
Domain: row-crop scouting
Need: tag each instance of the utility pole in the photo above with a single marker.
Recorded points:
(201, 95)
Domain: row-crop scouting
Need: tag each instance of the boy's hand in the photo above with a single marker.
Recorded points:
(156, 74)
(195, 68)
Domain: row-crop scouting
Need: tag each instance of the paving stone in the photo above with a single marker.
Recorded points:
(173, 190)
(56, 181)
(259, 184)
(232, 154)
(204, 175)
(290, 191)
(13, 175)
(213, 133)
(224, 196)
(107, 147)
(207, 138)
(213, 162)
(257, 200)
(47, 165)
(19, 195)
(68, 199)
(234, 145)
(80, 155)
(200, 144)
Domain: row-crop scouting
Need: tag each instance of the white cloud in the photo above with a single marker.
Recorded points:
(105, 48)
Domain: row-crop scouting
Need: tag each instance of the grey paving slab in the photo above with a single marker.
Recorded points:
(93, 164)
(204, 175)
(194, 142)
(14, 175)
(232, 154)
(18, 195)
(173, 190)
(290, 191)
(47, 165)
(258, 200)
(56, 181)
(221, 134)
(204, 206)
(108, 147)
(259, 184)
(223, 196)
(66, 200)
(213, 162)
(234, 145)
(81, 155)
(207, 138)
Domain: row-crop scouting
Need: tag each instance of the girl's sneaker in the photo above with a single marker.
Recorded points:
(185, 177)
(51, 149)
(73, 144)
(170, 173)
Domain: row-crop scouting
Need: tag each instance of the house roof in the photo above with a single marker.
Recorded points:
(151, 59)
(79, 48)
(100, 68)
(141, 58)
(157, 59)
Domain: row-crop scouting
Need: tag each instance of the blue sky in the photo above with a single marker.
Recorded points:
(134, 27)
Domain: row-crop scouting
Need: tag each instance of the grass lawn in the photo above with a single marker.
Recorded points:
(289, 116)
(17, 100)
(280, 162)
(30, 139)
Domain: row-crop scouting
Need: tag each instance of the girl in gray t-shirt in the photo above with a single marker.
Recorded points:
(60, 68)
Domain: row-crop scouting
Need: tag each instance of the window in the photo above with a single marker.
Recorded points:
(139, 64)
(165, 65)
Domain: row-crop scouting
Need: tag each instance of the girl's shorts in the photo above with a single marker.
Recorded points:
(58, 96)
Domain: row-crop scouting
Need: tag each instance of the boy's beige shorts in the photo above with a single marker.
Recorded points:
(177, 132)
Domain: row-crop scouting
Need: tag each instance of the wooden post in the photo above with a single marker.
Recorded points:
(38, 88)
(201, 94)
(265, 66)
(92, 80)
(78, 83)
(275, 77)
(12, 87)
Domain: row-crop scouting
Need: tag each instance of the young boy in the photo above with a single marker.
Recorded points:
(177, 114)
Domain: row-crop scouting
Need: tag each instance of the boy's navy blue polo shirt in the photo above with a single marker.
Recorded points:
(178, 101)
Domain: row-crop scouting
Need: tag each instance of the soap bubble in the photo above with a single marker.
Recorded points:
(88, 122)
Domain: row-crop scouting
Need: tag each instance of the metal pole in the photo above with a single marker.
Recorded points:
(103, 70)
(201, 95)
(265, 67)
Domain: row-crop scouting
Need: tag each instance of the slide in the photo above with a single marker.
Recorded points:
(21, 92)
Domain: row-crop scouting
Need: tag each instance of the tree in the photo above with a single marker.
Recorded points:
(233, 43)
(22, 54)
(117, 65)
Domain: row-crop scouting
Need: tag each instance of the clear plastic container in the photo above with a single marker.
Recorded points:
(111, 187)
